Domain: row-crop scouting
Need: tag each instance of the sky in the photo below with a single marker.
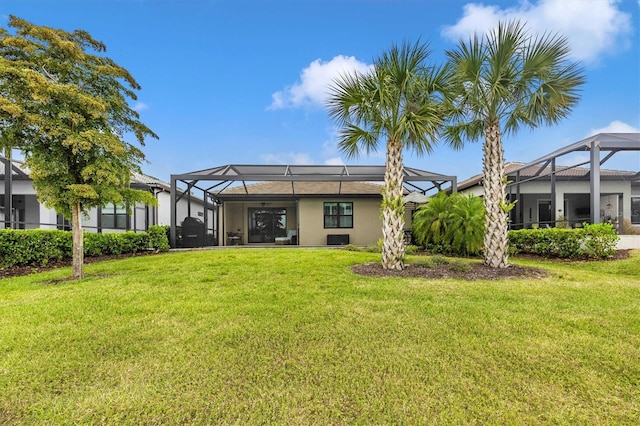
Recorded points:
(245, 82)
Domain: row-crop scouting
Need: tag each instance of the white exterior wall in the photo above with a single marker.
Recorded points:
(36, 215)
(163, 210)
(610, 191)
(48, 217)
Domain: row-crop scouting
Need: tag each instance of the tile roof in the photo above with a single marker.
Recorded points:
(562, 172)
(20, 171)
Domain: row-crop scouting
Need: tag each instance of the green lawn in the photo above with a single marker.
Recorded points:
(291, 336)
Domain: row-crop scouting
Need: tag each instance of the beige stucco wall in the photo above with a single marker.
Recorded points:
(367, 225)
(307, 217)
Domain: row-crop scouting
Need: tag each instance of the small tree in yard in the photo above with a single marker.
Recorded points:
(66, 108)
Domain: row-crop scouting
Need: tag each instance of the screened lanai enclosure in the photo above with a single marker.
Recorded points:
(286, 204)
(612, 195)
(582, 190)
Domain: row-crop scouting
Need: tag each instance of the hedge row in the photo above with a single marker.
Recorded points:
(593, 241)
(38, 247)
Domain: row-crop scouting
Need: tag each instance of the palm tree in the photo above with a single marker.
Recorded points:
(502, 81)
(431, 221)
(398, 101)
(450, 223)
(466, 224)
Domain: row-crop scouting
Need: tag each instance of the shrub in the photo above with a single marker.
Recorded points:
(591, 241)
(410, 249)
(423, 262)
(158, 238)
(38, 247)
(459, 265)
(33, 247)
(600, 240)
(439, 260)
(451, 224)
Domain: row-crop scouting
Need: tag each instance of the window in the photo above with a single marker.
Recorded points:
(114, 217)
(338, 215)
(62, 223)
(635, 210)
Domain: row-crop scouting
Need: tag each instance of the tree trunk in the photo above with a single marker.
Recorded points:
(78, 242)
(495, 237)
(393, 209)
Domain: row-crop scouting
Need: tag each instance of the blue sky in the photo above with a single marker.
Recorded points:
(239, 81)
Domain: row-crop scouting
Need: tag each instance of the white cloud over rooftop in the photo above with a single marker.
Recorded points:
(313, 87)
(593, 28)
(615, 127)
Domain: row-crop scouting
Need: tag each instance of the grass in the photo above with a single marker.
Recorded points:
(291, 336)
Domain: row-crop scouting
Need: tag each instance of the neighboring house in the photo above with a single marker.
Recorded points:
(619, 195)
(548, 194)
(28, 213)
(300, 205)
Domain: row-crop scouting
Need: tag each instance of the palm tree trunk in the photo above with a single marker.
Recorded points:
(393, 209)
(495, 237)
(78, 242)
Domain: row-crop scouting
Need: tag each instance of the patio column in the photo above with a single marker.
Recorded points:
(519, 218)
(172, 233)
(595, 182)
(554, 211)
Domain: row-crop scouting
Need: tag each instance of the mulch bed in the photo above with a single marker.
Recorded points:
(477, 271)
(17, 271)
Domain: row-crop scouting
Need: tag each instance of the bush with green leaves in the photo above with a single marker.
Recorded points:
(38, 247)
(33, 247)
(596, 241)
(158, 237)
(451, 224)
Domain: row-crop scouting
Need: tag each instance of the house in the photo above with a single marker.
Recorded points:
(295, 204)
(26, 212)
(572, 195)
(548, 194)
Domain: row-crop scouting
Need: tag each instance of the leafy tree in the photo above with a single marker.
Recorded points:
(398, 101)
(66, 108)
(502, 81)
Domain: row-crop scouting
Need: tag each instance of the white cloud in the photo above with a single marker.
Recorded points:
(313, 87)
(299, 158)
(614, 127)
(625, 160)
(337, 161)
(140, 106)
(593, 27)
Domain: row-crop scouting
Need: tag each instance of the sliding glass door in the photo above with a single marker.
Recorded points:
(265, 224)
